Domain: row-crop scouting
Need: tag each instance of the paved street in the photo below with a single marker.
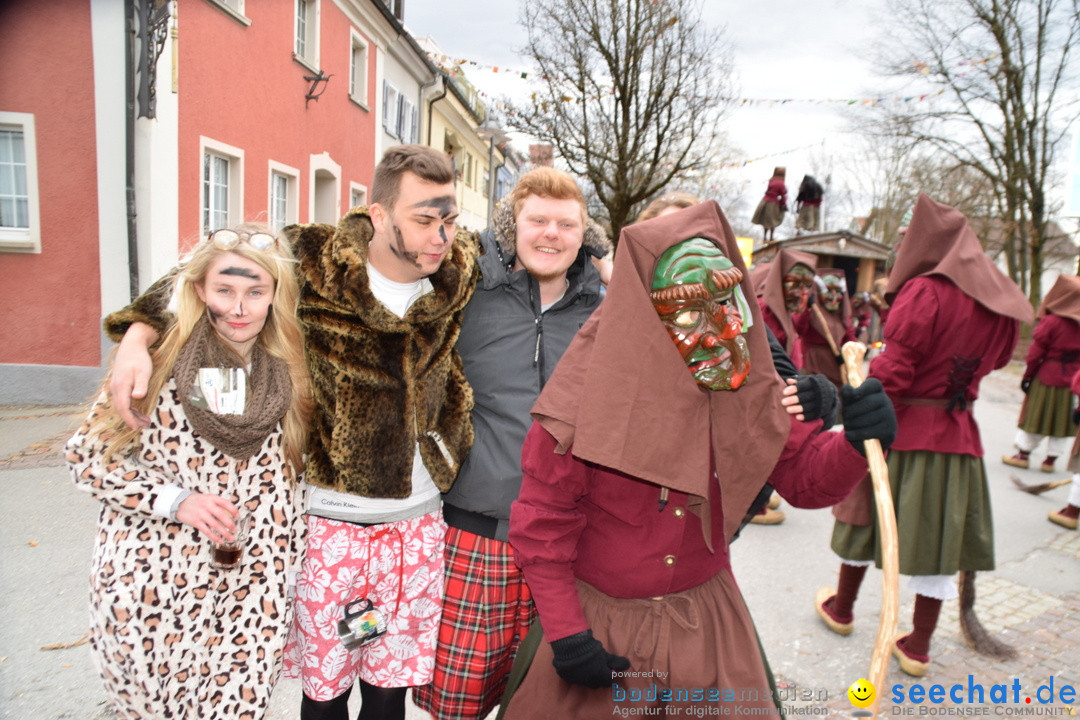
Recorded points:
(1032, 600)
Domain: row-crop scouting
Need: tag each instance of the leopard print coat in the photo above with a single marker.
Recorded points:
(172, 636)
(381, 383)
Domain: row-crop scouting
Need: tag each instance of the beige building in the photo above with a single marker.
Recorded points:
(453, 120)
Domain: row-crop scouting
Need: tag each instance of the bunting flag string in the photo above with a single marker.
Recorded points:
(925, 68)
(744, 163)
(456, 65)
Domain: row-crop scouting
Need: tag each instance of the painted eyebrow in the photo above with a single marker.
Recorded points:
(443, 203)
(241, 272)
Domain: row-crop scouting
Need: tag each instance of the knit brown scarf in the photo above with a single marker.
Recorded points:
(269, 392)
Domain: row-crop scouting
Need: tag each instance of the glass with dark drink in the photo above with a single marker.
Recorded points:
(226, 555)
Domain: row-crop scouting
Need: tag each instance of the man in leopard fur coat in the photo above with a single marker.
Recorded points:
(381, 302)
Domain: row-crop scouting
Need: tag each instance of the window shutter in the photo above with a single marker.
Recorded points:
(386, 105)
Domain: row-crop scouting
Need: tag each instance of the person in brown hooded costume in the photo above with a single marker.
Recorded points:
(769, 212)
(784, 296)
(1052, 360)
(637, 472)
(832, 299)
(954, 317)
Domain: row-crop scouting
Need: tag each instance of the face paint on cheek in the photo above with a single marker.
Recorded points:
(399, 249)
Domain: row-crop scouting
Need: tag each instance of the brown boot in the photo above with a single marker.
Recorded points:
(1020, 460)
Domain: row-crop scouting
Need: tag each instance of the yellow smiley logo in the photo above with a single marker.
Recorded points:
(861, 693)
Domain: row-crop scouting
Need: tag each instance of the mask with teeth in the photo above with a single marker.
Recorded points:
(696, 293)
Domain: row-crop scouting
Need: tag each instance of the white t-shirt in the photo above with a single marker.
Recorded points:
(398, 298)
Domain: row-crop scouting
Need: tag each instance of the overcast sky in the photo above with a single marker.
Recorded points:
(783, 49)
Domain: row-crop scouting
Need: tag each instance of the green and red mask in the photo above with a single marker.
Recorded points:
(696, 293)
(798, 283)
(833, 294)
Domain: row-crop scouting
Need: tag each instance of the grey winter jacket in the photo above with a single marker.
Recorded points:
(508, 350)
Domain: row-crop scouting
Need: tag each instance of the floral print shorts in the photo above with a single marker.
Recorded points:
(399, 567)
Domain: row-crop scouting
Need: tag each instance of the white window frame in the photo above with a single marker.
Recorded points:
(358, 194)
(292, 195)
(307, 55)
(390, 109)
(235, 156)
(406, 120)
(358, 70)
(232, 8)
(24, 239)
(469, 168)
(324, 165)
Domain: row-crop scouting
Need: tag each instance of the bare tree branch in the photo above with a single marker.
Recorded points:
(630, 93)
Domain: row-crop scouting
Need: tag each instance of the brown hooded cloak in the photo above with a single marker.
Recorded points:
(939, 241)
(771, 289)
(623, 397)
(1063, 299)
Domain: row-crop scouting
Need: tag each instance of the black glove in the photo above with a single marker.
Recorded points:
(868, 413)
(1076, 416)
(818, 398)
(581, 659)
(839, 359)
(1025, 385)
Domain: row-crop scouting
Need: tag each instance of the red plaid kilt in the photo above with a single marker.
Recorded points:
(487, 610)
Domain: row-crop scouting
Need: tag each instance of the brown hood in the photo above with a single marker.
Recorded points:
(1063, 298)
(623, 397)
(840, 320)
(939, 241)
(771, 288)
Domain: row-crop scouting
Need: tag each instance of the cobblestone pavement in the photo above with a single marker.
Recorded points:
(1031, 601)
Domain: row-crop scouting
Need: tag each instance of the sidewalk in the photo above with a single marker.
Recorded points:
(1032, 599)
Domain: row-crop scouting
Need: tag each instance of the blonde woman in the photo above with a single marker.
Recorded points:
(221, 452)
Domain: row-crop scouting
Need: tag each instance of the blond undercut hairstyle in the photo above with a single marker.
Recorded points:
(549, 183)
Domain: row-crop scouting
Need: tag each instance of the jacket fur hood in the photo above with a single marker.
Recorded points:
(381, 383)
(595, 242)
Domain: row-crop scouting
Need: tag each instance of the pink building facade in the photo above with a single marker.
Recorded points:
(244, 111)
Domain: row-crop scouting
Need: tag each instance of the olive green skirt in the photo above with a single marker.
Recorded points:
(943, 516)
(767, 214)
(1047, 410)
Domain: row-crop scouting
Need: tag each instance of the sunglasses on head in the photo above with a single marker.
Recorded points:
(225, 239)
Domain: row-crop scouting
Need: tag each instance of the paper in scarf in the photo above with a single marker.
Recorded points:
(622, 397)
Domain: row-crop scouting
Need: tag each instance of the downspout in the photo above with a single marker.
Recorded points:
(431, 107)
(420, 102)
(494, 184)
(129, 143)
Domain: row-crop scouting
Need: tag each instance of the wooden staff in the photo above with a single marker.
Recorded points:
(832, 343)
(853, 353)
